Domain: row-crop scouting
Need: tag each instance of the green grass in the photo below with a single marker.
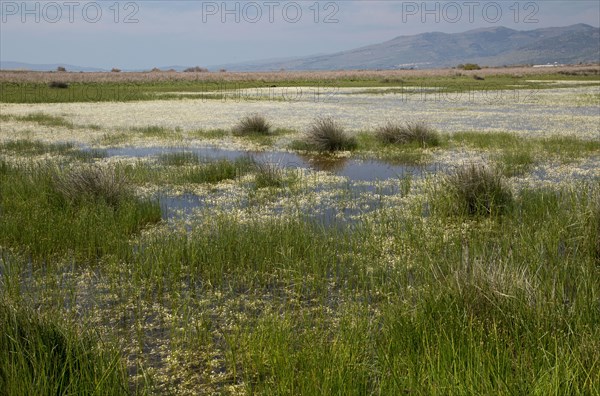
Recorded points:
(487, 140)
(34, 147)
(516, 155)
(406, 304)
(153, 131)
(272, 175)
(42, 119)
(85, 214)
(410, 132)
(464, 297)
(465, 287)
(474, 190)
(208, 134)
(39, 356)
(179, 159)
(31, 92)
(185, 168)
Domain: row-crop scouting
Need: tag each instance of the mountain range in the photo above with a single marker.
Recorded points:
(495, 46)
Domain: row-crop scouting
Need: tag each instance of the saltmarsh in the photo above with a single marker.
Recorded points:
(146, 240)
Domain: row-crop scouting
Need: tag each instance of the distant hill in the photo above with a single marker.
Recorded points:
(496, 46)
(7, 65)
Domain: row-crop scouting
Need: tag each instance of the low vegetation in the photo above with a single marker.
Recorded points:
(39, 356)
(327, 135)
(410, 132)
(84, 212)
(252, 124)
(462, 281)
(475, 190)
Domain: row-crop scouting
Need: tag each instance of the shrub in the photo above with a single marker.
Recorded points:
(196, 69)
(252, 124)
(477, 190)
(58, 84)
(93, 183)
(469, 66)
(325, 134)
(410, 132)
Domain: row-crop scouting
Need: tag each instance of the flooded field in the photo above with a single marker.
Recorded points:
(204, 260)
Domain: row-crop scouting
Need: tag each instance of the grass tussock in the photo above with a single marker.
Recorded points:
(39, 356)
(411, 132)
(476, 190)
(326, 135)
(271, 175)
(93, 183)
(253, 124)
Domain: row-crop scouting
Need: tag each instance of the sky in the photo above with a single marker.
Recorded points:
(145, 34)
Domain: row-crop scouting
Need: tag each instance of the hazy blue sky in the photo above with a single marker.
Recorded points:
(143, 34)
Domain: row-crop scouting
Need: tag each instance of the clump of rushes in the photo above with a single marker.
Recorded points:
(410, 132)
(325, 134)
(39, 356)
(253, 124)
(93, 183)
(179, 159)
(269, 175)
(477, 190)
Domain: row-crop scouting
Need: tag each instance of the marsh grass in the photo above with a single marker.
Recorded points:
(183, 168)
(410, 132)
(179, 159)
(216, 171)
(45, 120)
(35, 147)
(405, 154)
(326, 135)
(154, 131)
(208, 134)
(568, 148)
(272, 175)
(93, 183)
(405, 304)
(519, 149)
(253, 124)
(114, 139)
(39, 356)
(85, 213)
(515, 162)
(487, 140)
(475, 190)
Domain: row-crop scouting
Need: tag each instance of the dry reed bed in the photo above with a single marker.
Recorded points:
(165, 76)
